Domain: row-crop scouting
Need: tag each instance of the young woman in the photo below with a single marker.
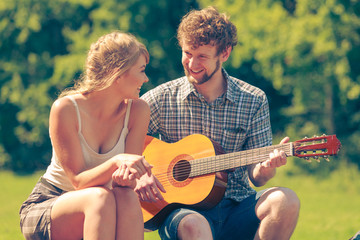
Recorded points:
(97, 130)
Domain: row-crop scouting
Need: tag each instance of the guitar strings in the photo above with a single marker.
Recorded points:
(206, 165)
(209, 165)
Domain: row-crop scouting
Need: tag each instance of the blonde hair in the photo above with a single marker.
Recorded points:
(207, 26)
(108, 58)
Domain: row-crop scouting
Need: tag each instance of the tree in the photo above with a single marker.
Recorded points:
(43, 48)
(305, 54)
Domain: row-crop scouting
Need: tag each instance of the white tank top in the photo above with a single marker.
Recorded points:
(56, 175)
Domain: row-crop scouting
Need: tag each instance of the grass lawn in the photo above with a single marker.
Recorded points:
(329, 206)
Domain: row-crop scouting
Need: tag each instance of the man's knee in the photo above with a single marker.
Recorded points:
(194, 225)
(290, 199)
(285, 201)
(282, 201)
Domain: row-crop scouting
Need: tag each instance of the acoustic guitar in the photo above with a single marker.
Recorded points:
(192, 170)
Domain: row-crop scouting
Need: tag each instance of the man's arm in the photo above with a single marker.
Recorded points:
(262, 172)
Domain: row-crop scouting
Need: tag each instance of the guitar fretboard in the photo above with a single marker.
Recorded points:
(227, 161)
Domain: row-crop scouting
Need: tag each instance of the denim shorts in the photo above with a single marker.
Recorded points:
(228, 219)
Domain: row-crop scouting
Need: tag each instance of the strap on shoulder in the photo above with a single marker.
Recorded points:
(77, 111)
(127, 116)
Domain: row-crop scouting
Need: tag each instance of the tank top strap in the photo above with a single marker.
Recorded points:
(127, 116)
(77, 111)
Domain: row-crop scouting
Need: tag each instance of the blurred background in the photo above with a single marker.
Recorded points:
(304, 54)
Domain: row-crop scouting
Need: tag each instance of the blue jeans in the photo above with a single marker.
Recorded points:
(228, 220)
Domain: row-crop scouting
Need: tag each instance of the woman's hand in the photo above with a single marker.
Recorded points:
(122, 178)
(130, 168)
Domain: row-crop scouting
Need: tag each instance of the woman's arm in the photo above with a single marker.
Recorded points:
(148, 186)
(64, 136)
(138, 124)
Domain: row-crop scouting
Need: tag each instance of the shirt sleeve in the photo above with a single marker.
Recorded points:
(259, 134)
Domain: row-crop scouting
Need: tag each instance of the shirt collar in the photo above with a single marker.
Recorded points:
(230, 87)
(186, 88)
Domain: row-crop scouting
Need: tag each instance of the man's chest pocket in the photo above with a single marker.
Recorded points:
(233, 139)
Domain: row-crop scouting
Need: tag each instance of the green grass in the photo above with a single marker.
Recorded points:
(329, 205)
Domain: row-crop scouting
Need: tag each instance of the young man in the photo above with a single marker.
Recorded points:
(232, 113)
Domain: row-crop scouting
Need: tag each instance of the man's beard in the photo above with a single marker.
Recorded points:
(205, 77)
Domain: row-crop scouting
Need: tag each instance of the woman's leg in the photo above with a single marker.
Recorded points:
(129, 218)
(88, 213)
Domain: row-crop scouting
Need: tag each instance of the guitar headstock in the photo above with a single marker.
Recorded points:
(315, 147)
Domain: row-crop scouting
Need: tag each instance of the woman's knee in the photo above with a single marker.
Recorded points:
(104, 195)
(101, 199)
(124, 192)
(127, 196)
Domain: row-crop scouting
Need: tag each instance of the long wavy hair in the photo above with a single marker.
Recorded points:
(108, 58)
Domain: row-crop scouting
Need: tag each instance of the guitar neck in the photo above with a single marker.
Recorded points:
(228, 161)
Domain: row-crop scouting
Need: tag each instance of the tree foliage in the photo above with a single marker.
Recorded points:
(303, 54)
(306, 54)
(43, 48)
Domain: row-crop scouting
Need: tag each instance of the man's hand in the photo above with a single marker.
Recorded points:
(276, 158)
(148, 188)
(262, 172)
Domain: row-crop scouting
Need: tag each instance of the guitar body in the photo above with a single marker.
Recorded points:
(172, 167)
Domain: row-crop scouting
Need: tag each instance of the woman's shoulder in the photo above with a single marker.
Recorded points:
(140, 113)
(62, 108)
(139, 106)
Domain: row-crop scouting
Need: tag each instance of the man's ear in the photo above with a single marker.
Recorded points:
(226, 53)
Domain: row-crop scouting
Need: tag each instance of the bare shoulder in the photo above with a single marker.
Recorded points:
(140, 114)
(62, 106)
(62, 111)
(139, 106)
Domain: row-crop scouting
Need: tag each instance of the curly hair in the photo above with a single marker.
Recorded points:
(108, 58)
(207, 26)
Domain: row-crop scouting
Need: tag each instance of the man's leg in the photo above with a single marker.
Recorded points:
(185, 224)
(278, 211)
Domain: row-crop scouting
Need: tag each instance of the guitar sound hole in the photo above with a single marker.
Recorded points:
(181, 170)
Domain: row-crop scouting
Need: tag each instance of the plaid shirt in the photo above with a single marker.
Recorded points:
(237, 120)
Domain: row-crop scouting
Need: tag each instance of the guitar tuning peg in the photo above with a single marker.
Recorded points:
(307, 159)
(316, 158)
(315, 136)
(326, 157)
